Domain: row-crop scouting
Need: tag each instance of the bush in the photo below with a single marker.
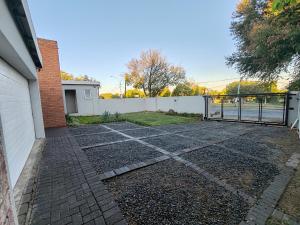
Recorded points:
(69, 119)
(117, 116)
(171, 112)
(72, 121)
(106, 116)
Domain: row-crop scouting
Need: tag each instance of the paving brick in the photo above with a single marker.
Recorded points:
(66, 189)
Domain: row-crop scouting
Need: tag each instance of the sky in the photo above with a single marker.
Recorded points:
(99, 37)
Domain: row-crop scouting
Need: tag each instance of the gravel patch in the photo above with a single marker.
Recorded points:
(210, 136)
(252, 147)
(87, 129)
(88, 140)
(187, 127)
(243, 173)
(169, 193)
(142, 132)
(173, 127)
(109, 157)
(173, 143)
(122, 125)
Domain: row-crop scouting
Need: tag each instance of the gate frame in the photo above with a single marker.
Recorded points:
(285, 108)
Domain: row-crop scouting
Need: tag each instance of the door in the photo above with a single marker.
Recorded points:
(16, 117)
(71, 101)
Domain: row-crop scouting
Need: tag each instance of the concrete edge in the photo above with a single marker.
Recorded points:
(29, 171)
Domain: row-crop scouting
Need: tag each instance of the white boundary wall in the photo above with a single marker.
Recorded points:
(295, 113)
(184, 104)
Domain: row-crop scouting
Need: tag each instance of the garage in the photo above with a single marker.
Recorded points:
(17, 120)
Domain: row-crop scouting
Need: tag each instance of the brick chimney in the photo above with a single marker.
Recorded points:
(50, 85)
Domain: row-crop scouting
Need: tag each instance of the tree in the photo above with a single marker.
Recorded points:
(295, 85)
(183, 89)
(152, 73)
(251, 87)
(198, 90)
(66, 76)
(109, 95)
(134, 93)
(106, 95)
(267, 34)
(165, 92)
(85, 78)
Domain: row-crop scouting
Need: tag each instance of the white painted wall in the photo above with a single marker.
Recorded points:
(17, 119)
(13, 48)
(85, 106)
(20, 105)
(295, 104)
(95, 106)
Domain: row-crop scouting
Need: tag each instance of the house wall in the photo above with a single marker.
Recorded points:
(96, 106)
(13, 48)
(50, 85)
(20, 107)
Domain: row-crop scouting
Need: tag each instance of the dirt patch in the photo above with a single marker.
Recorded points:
(290, 201)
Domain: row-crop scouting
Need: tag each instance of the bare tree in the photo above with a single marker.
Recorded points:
(152, 73)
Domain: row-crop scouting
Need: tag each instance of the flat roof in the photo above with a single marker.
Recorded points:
(80, 82)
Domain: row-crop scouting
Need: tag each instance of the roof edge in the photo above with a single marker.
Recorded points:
(21, 15)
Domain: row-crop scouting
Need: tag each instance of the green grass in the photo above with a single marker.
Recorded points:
(142, 118)
(157, 118)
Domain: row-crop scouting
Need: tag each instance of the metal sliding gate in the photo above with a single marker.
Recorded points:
(266, 108)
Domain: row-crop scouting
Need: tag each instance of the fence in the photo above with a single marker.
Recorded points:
(182, 104)
(266, 108)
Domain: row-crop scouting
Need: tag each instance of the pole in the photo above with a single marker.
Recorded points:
(125, 86)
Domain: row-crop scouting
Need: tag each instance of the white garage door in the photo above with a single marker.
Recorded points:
(16, 116)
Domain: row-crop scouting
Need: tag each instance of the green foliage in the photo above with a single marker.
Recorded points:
(157, 118)
(171, 112)
(109, 95)
(134, 93)
(198, 90)
(165, 93)
(142, 118)
(252, 87)
(117, 116)
(267, 35)
(67, 76)
(183, 89)
(106, 116)
(188, 89)
(295, 84)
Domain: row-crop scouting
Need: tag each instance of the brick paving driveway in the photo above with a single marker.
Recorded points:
(119, 173)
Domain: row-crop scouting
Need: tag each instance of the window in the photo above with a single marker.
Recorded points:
(87, 93)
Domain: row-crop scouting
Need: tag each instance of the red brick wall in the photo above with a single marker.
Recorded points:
(50, 85)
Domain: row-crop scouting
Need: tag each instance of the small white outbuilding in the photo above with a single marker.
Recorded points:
(79, 96)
